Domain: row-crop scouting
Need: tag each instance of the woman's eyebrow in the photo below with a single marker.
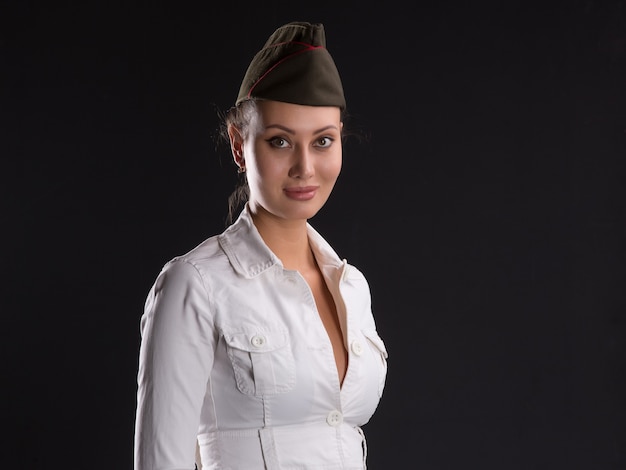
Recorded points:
(291, 131)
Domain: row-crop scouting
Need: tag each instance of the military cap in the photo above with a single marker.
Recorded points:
(294, 66)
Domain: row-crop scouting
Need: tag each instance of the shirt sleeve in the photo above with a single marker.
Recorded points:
(175, 360)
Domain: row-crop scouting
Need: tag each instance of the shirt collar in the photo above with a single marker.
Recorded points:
(250, 256)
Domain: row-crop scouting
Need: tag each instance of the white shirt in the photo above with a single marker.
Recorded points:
(236, 370)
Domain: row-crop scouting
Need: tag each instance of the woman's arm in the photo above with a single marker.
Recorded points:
(175, 360)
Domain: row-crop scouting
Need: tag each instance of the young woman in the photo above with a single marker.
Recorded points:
(259, 349)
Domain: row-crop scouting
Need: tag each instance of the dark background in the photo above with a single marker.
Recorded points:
(486, 204)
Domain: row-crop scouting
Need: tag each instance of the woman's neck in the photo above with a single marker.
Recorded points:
(288, 239)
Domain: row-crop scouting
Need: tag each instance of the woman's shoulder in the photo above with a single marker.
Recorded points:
(206, 253)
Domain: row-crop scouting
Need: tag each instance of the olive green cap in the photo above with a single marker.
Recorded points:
(294, 66)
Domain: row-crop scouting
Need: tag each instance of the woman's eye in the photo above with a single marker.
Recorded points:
(278, 142)
(324, 142)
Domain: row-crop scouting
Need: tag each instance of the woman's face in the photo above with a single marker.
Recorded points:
(293, 156)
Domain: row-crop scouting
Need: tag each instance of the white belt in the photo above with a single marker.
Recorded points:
(310, 446)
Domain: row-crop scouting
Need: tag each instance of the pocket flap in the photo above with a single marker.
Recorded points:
(257, 341)
(376, 340)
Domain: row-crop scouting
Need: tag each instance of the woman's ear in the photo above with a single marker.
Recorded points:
(236, 145)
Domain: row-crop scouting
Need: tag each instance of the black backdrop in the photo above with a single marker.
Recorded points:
(485, 203)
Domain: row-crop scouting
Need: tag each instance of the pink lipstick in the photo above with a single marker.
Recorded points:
(301, 193)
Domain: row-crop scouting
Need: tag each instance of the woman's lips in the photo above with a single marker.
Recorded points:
(301, 194)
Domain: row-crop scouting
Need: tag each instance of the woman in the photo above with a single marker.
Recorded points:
(259, 349)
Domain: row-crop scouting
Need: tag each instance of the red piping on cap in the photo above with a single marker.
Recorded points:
(308, 47)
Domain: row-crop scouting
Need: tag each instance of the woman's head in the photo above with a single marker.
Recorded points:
(285, 129)
(291, 154)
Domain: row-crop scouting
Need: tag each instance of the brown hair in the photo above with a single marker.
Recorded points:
(238, 116)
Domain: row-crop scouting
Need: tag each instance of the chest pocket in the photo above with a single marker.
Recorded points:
(262, 360)
(381, 351)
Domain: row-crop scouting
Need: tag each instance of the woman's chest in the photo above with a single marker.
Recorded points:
(275, 361)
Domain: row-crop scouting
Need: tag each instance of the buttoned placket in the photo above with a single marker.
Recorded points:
(334, 418)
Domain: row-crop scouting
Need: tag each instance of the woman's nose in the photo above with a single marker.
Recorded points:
(302, 166)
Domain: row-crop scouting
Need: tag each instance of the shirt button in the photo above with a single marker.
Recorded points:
(334, 418)
(356, 348)
(258, 341)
